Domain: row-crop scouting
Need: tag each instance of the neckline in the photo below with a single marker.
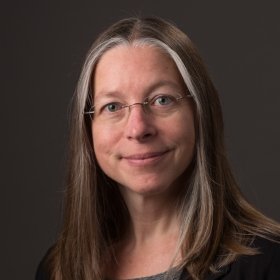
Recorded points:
(175, 274)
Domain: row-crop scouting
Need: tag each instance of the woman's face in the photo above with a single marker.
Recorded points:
(144, 153)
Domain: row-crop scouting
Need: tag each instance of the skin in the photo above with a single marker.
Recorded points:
(146, 155)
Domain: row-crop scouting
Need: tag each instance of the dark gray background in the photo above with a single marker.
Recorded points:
(43, 45)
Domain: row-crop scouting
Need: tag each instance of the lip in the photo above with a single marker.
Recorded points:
(142, 159)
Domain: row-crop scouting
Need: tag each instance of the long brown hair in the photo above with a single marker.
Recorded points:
(218, 224)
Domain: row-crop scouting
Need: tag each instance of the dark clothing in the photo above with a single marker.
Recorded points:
(263, 266)
(42, 272)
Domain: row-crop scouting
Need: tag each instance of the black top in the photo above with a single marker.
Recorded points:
(263, 266)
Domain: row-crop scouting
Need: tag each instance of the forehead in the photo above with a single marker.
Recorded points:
(135, 53)
(127, 67)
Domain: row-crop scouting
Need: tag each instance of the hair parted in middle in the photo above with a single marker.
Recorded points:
(215, 217)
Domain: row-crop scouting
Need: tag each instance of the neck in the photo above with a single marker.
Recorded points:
(153, 217)
(150, 244)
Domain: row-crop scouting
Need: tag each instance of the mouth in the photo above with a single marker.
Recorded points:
(142, 159)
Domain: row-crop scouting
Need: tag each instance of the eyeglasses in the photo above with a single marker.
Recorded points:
(159, 105)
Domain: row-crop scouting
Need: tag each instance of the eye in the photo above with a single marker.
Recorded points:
(112, 107)
(163, 100)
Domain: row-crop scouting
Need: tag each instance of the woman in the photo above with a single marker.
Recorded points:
(150, 191)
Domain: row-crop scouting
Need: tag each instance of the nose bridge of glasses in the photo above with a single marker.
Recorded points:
(143, 105)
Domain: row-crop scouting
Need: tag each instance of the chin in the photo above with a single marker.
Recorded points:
(146, 189)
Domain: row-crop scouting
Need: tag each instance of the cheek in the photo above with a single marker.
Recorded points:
(183, 129)
(185, 138)
(104, 141)
(189, 134)
(188, 126)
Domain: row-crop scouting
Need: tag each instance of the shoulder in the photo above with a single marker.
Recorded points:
(264, 265)
(42, 272)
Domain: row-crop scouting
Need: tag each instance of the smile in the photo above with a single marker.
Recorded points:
(145, 158)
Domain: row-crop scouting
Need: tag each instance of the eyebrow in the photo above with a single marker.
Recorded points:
(149, 89)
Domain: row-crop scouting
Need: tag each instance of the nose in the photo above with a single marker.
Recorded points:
(139, 125)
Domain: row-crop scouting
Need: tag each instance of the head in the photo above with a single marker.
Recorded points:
(174, 44)
(168, 39)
